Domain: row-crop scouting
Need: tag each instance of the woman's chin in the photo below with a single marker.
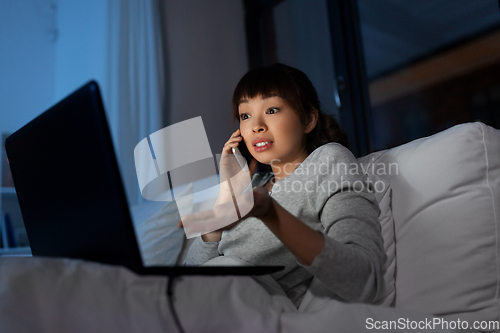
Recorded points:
(262, 161)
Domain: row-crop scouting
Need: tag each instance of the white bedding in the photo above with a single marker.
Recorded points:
(61, 295)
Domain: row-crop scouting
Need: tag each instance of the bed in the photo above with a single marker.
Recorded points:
(440, 222)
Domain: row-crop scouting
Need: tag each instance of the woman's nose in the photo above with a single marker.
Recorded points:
(259, 126)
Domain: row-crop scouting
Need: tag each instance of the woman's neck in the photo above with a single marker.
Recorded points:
(284, 169)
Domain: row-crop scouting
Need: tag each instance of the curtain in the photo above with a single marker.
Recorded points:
(136, 81)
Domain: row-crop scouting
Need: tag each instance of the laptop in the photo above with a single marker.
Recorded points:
(71, 194)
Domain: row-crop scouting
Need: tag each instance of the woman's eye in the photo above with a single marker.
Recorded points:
(273, 110)
(244, 116)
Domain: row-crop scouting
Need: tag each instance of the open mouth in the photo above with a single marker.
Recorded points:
(263, 145)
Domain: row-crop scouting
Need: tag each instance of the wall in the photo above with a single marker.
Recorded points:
(81, 52)
(206, 57)
(28, 37)
(50, 48)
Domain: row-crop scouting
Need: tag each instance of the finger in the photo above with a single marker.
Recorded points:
(232, 143)
(179, 224)
(200, 227)
(220, 216)
(233, 140)
(210, 225)
(229, 227)
(235, 136)
(227, 150)
(197, 217)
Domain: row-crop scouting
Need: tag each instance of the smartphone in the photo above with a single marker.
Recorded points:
(241, 160)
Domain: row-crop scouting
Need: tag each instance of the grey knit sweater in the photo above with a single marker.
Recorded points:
(329, 193)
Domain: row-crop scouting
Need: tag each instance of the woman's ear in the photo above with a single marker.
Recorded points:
(313, 120)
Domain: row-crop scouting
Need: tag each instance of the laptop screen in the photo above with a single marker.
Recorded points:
(68, 183)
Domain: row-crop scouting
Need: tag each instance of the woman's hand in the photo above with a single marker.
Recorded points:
(233, 181)
(221, 217)
(228, 164)
(262, 203)
(303, 242)
(230, 169)
(234, 141)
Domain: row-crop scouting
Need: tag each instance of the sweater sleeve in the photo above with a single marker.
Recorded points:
(200, 252)
(351, 261)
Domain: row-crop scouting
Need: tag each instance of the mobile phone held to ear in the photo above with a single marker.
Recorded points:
(241, 160)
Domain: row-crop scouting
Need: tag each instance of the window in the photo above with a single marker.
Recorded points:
(390, 70)
(430, 65)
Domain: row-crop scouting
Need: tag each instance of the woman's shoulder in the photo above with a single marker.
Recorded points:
(331, 152)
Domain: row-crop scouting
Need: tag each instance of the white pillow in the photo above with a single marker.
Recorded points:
(383, 193)
(446, 209)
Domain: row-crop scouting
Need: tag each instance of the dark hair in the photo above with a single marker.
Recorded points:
(293, 86)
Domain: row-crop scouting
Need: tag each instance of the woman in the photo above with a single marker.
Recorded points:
(313, 212)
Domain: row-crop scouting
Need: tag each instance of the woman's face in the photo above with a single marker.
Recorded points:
(273, 133)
